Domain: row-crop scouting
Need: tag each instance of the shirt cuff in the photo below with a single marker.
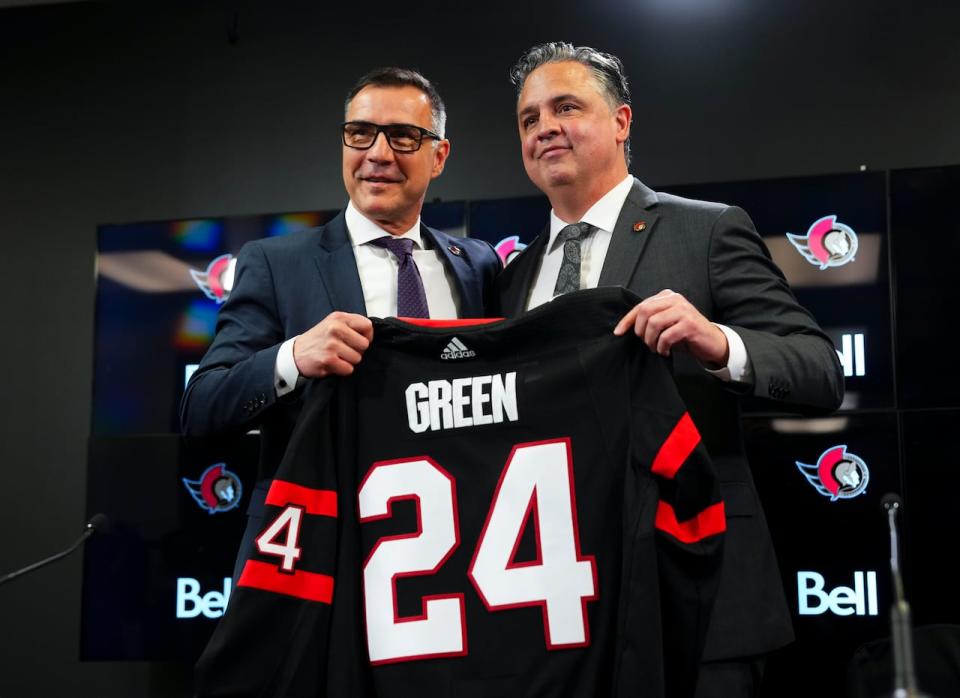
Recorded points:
(285, 373)
(737, 369)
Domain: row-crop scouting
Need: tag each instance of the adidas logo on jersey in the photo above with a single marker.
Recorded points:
(457, 350)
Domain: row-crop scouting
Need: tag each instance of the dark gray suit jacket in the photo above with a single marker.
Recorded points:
(712, 254)
(284, 286)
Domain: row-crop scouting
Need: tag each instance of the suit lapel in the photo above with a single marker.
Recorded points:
(467, 277)
(338, 268)
(468, 283)
(514, 282)
(628, 243)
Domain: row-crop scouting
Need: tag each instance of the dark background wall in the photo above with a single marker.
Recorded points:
(112, 113)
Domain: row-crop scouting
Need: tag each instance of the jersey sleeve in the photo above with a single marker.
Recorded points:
(689, 520)
(273, 638)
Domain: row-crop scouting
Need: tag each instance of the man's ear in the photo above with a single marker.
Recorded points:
(624, 115)
(441, 151)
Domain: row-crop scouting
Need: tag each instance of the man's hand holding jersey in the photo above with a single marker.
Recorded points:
(333, 346)
(669, 320)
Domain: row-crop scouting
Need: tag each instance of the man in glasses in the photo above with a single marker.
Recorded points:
(731, 324)
(300, 303)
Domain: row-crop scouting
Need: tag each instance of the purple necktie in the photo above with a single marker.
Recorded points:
(411, 298)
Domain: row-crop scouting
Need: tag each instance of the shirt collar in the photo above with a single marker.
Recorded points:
(602, 215)
(362, 230)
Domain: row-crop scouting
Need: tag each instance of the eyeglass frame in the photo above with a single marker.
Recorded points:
(382, 128)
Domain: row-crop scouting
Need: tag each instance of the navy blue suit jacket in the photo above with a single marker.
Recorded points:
(284, 286)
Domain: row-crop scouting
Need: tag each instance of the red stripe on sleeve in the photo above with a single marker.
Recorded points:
(302, 584)
(677, 448)
(318, 502)
(709, 522)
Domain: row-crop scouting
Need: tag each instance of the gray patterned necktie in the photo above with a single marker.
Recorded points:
(411, 297)
(569, 277)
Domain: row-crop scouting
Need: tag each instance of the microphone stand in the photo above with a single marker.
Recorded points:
(904, 677)
(98, 522)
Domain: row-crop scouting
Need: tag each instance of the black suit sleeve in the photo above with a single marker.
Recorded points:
(234, 384)
(793, 361)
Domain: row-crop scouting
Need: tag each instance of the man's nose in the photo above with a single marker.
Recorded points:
(547, 126)
(380, 151)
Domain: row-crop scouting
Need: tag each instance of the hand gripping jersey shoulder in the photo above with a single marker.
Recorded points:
(504, 508)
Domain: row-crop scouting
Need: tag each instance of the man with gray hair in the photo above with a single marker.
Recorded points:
(300, 303)
(732, 325)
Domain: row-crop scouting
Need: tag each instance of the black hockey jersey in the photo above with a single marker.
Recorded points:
(497, 509)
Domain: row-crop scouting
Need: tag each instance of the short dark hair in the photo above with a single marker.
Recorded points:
(400, 77)
(606, 68)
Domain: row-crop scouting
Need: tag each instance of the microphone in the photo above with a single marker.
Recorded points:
(891, 500)
(904, 677)
(97, 523)
(891, 504)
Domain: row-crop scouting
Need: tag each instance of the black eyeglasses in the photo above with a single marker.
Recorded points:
(403, 138)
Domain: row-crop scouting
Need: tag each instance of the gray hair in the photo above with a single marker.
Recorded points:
(401, 77)
(606, 69)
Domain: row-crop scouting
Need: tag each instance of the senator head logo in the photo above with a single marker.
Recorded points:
(827, 243)
(217, 281)
(509, 248)
(216, 490)
(837, 474)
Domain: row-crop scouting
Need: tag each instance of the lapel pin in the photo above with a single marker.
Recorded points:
(639, 226)
(455, 250)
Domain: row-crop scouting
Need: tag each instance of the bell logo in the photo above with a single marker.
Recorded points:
(861, 600)
(191, 604)
(852, 355)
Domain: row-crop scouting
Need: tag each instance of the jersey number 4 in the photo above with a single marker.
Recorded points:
(537, 486)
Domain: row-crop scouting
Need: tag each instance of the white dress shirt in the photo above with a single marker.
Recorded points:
(378, 269)
(603, 217)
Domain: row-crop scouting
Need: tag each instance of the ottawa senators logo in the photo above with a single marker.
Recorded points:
(827, 243)
(216, 490)
(837, 474)
(217, 281)
(509, 248)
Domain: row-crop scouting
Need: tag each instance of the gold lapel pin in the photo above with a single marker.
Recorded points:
(639, 226)
(455, 250)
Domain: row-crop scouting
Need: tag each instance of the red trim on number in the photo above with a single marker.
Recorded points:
(709, 522)
(317, 502)
(580, 557)
(301, 584)
(424, 602)
(463, 322)
(677, 448)
(434, 655)
(532, 517)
